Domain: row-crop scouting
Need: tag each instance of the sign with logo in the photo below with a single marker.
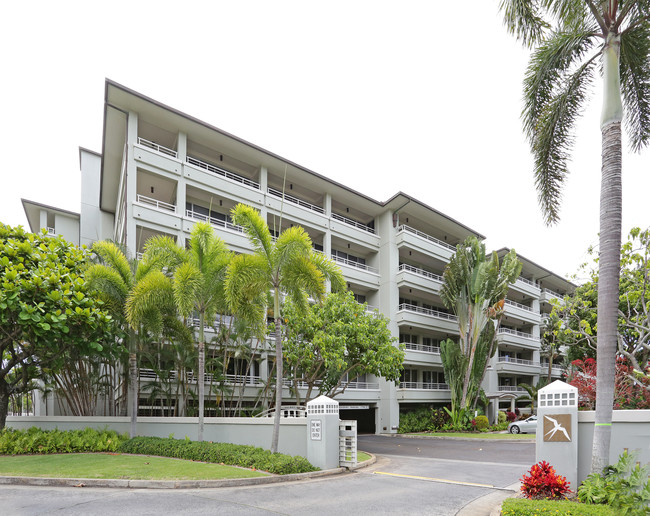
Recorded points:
(557, 428)
(316, 428)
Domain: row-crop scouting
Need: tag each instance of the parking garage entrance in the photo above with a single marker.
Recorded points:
(363, 414)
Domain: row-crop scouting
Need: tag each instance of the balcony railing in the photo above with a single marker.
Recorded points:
(424, 385)
(354, 223)
(354, 385)
(511, 388)
(427, 311)
(222, 172)
(50, 231)
(295, 200)
(526, 280)
(552, 293)
(422, 347)
(158, 148)
(165, 206)
(520, 361)
(419, 272)
(516, 332)
(519, 305)
(213, 221)
(427, 237)
(357, 265)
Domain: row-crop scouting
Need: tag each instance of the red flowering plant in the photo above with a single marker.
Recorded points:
(630, 389)
(543, 483)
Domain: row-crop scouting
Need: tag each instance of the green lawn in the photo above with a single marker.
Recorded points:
(105, 465)
(362, 456)
(479, 435)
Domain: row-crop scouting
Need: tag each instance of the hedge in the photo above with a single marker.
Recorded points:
(222, 453)
(523, 507)
(34, 440)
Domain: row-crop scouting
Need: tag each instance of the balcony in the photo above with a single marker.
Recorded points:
(422, 347)
(422, 354)
(295, 200)
(556, 369)
(526, 286)
(518, 338)
(423, 392)
(424, 385)
(218, 223)
(511, 388)
(155, 203)
(157, 156)
(516, 365)
(426, 318)
(353, 223)
(413, 277)
(549, 295)
(158, 148)
(227, 174)
(522, 312)
(422, 242)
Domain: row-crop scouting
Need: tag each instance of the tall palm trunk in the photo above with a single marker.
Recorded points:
(201, 378)
(278, 370)
(610, 254)
(133, 381)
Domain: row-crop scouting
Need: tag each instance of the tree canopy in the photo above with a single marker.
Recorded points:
(46, 309)
(331, 344)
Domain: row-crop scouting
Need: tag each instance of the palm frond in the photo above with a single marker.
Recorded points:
(159, 252)
(549, 65)
(255, 227)
(568, 13)
(523, 20)
(553, 139)
(112, 256)
(291, 244)
(150, 297)
(246, 286)
(302, 275)
(187, 283)
(330, 271)
(635, 84)
(110, 285)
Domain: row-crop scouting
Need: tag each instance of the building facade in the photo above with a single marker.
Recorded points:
(160, 171)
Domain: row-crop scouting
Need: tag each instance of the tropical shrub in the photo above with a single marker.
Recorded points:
(222, 453)
(482, 423)
(544, 483)
(523, 507)
(502, 417)
(624, 486)
(511, 416)
(422, 420)
(34, 440)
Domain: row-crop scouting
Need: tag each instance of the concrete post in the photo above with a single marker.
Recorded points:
(323, 432)
(557, 429)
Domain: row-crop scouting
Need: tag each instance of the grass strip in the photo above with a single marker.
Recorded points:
(479, 435)
(117, 466)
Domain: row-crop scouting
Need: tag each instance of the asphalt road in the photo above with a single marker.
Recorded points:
(411, 476)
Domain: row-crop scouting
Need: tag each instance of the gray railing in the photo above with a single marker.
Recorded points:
(161, 205)
(158, 148)
(427, 311)
(510, 388)
(552, 293)
(516, 332)
(213, 221)
(424, 385)
(222, 172)
(356, 265)
(422, 347)
(519, 305)
(435, 240)
(295, 200)
(419, 272)
(520, 361)
(354, 223)
(526, 280)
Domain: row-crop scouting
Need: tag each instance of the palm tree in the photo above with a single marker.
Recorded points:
(115, 278)
(570, 38)
(474, 288)
(198, 275)
(531, 392)
(288, 266)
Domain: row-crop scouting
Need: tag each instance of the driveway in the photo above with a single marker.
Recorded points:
(411, 476)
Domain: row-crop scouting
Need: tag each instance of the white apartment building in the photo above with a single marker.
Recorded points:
(161, 170)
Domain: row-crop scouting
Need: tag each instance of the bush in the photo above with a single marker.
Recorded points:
(511, 416)
(502, 417)
(34, 440)
(623, 486)
(221, 453)
(482, 423)
(422, 420)
(544, 483)
(522, 507)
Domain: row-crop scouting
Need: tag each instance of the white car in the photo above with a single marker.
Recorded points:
(524, 427)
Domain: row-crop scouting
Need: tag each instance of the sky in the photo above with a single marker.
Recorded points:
(414, 96)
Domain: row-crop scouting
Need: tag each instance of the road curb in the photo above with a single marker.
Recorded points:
(169, 484)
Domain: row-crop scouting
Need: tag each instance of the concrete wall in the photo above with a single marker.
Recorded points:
(235, 430)
(630, 430)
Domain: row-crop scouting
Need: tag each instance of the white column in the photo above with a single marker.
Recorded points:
(264, 181)
(131, 183)
(42, 219)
